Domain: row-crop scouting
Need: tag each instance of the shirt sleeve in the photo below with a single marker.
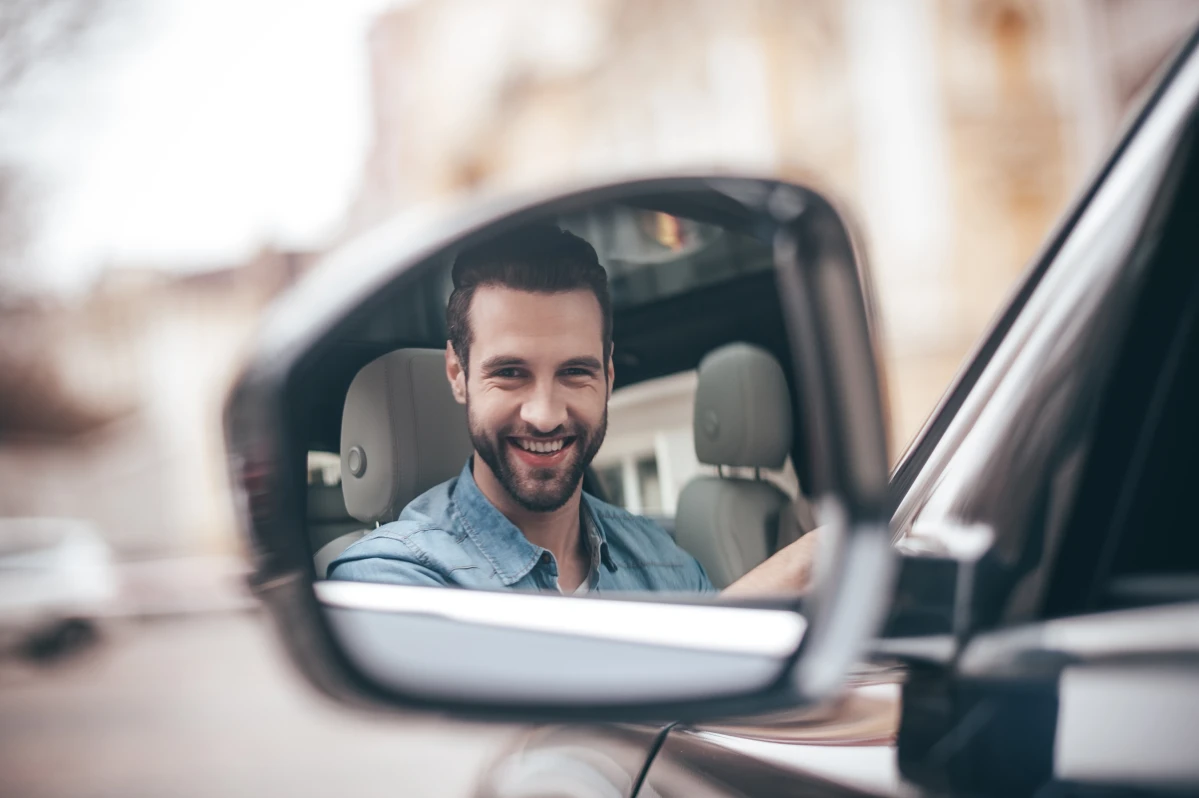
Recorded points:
(386, 559)
(386, 570)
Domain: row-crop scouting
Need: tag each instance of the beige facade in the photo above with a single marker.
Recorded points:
(953, 131)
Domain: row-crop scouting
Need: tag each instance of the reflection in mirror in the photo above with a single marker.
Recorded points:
(593, 403)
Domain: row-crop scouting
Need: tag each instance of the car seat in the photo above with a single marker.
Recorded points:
(330, 526)
(402, 432)
(743, 418)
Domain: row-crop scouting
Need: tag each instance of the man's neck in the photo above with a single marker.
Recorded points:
(556, 530)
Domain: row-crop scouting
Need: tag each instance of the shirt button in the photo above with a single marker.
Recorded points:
(545, 557)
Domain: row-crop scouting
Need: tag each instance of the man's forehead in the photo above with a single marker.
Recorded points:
(501, 314)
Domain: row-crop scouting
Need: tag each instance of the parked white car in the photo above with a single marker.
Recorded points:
(56, 579)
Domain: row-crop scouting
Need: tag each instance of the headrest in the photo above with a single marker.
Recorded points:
(742, 409)
(402, 432)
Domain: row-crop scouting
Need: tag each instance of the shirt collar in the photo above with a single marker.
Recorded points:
(594, 529)
(502, 544)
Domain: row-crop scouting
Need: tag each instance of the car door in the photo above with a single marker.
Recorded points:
(1078, 644)
(1051, 451)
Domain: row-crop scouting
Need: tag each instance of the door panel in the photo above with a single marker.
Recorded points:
(700, 764)
(843, 748)
(1052, 462)
(575, 761)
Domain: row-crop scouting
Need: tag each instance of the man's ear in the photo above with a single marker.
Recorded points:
(455, 374)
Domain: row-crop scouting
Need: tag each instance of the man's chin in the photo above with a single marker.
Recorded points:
(541, 490)
(542, 496)
(542, 503)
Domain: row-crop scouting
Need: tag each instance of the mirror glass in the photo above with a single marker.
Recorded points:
(595, 402)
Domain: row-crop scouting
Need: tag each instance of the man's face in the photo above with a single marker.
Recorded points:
(535, 389)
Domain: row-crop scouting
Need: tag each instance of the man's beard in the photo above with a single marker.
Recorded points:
(539, 490)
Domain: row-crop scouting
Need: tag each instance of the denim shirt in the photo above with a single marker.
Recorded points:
(452, 535)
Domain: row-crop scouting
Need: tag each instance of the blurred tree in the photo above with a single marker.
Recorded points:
(34, 406)
(33, 33)
(15, 219)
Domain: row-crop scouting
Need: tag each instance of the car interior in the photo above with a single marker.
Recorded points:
(688, 295)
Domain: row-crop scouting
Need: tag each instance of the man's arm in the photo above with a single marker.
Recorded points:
(386, 570)
(391, 572)
(383, 558)
(788, 571)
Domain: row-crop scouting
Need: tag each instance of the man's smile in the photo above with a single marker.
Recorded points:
(541, 451)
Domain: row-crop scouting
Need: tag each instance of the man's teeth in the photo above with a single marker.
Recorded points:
(542, 447)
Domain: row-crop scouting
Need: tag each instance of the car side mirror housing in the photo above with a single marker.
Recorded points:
(529, 656)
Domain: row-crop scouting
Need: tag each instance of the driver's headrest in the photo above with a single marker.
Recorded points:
(742, 409)
(402, 432)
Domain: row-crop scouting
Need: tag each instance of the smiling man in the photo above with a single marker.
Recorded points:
(529, 354)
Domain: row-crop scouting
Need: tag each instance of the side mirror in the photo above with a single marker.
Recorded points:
(529, 655)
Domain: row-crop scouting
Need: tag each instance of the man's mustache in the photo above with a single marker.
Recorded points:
(561, 431)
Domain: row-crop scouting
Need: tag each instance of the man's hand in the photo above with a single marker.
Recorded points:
(788, 571)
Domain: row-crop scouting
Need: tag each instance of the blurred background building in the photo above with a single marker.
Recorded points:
(953, 132)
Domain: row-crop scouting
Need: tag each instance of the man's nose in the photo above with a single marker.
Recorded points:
(544, 409)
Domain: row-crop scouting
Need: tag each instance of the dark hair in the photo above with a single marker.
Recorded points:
(539, 258)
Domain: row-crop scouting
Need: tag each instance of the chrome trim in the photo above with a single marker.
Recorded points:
(929, 648)
(1173, 628)
(734, 630)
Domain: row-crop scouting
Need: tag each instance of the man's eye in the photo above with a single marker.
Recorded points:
(576, 372)
(507, 374)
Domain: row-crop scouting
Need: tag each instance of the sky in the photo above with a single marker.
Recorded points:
(184, 135)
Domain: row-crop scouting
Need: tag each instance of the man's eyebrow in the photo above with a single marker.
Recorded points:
(502, 361)
(582, 362)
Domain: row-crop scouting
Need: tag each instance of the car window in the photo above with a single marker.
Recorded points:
(1011, 459)
(648, 455)
(1131, 538)
(324, 468)
(1155, 556)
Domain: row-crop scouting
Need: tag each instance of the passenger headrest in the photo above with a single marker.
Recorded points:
(742, 409)
(401, 433)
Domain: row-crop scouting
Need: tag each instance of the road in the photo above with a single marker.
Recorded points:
(207, 705)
